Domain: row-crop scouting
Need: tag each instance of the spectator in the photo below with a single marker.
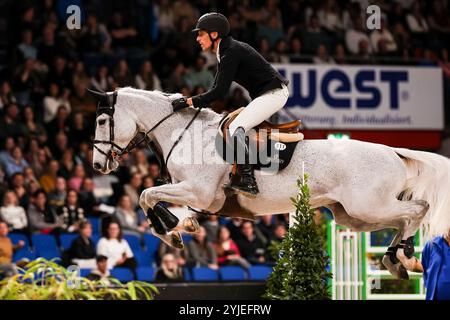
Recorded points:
(280, 55)
(211, 226)
(147, 79)
(82, 249)
(383, 39)
(266, 227)
(227, 250)
(417, 23)
(102, 81)
(15, 162)
(7, 150)
(6, 95)
(133, 189)
(123, 35)
(48, 180)
(40, 217)
(128, 218)
(201, 253)
(122, 74)
(18, 186)
(30, 127)
(271, 30)
(10, 123)
(7, 268)
(13, 214)
(200, 76)
(117, 249)
(81, 102)
(77, 179)
(169, 271)
(279, 232)
(330, 17)
(101, 272)
(53, 101)
(140, 163)
(57, 198)
(80, 130)
(26, 49)
(251, 247)
(322, 56)
(87, 198)
(71, 214)
(95, 36)
(436, 264)
(180, 255)
(353, 37)
(182, 8)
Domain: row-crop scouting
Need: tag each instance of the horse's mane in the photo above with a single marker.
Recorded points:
(206, 114)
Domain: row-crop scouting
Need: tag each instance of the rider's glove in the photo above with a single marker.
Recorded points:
(179, 104)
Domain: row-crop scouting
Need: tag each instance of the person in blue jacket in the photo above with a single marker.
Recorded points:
(436, 266)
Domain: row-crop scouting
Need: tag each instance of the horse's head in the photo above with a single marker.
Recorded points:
(115, 128)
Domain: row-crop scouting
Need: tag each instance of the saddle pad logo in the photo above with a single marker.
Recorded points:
(280, 146)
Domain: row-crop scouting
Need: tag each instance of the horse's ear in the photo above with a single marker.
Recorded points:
(99, 96)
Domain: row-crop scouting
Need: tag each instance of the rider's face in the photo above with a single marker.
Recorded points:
(204, 41)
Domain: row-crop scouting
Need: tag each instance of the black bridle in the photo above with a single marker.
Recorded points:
(106, 105)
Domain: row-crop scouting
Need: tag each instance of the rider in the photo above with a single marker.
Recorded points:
(241, 63)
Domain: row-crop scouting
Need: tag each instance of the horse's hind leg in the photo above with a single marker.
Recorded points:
(405, 252)
(389, 260)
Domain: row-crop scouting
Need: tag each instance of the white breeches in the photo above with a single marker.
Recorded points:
(260, 109)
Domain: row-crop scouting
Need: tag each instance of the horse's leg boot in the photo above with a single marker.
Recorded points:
(167, 217)
(156, 222)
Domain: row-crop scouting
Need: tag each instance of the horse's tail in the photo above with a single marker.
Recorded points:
(428, 178)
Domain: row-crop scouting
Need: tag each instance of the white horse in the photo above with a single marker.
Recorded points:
(367, 186)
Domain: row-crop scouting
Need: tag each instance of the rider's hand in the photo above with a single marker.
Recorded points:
(179, 104)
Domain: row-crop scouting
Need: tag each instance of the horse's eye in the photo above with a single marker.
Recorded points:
(101, 122)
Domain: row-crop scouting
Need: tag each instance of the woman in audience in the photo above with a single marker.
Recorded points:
(117, 249)
(82, 251)
(128, 218)
(228, 251)
(201, 253)
(169, 271)
(71, 214)
(13, 214)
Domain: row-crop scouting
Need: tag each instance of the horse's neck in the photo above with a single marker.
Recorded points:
(168, 131)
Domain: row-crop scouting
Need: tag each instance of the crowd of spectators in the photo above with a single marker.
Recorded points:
(47, 183)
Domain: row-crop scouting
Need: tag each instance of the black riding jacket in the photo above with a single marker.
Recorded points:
(241, 63)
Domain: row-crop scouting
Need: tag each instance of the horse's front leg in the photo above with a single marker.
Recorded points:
(164, 222)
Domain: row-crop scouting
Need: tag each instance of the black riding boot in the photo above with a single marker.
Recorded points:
(247, 184)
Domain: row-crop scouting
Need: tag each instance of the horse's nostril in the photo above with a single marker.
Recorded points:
(97, 166)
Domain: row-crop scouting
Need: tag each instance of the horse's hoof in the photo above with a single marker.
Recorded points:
(397, 269)
(176, 240)
(191, 225)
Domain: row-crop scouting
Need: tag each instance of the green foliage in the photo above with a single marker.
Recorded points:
(46, 280)
(300, 272)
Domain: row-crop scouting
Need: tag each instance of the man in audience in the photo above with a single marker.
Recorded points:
(251, 247)
(101, 272)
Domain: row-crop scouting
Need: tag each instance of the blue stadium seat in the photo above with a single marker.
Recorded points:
(259, 273)
(204, 274)
(145, 274)
(23, 254)
(151, 244)
(133, 241)
(44, 242)
(187, 274)
(67, 239)
(232, 273)
(16, 237)
(122, 274)
(186, 238)
(143, 258)
(84, 272)
(95, 222)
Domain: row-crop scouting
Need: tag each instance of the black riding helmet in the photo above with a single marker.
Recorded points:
(213, 21)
